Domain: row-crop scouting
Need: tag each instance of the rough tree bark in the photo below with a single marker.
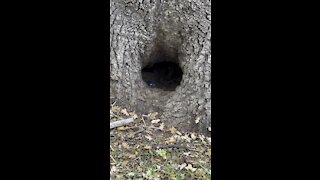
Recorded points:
(143, 31)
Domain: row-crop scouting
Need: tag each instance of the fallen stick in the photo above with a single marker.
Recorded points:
(175, 146)
(120, 123)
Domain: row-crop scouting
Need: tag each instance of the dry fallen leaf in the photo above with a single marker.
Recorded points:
(124, 163)
(171, 140)
(139, 169)
(155, 121)
(153, 115)
(187, 153)
(113, 169)
(121, 128)
(202, 137)
(115, 109)
(186, 138)
(131, 135)
(193, 136)
(125, 145)
(161, 127)
(149, 137)
(182, 166)
(114, 119)
(208, 153)
(124, 111)
(209, 139)
(148, 147)
(133, 115)
(173, 130)
(131, 156)
(189, 167)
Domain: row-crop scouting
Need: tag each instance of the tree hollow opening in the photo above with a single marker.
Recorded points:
(165, 75)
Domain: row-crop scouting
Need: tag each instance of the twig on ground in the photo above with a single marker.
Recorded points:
(156, 128)
(145, 125)
(133, 127)
(113, 159)
(120, 123)
(113, 103)
(137, 132)
(204, 168)
(176, 146)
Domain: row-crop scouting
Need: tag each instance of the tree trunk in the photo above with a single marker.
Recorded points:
(144, 33)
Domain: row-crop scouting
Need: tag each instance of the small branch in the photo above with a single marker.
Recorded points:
(113, 159)
(176, 146)
(120, 123)
(137, 132)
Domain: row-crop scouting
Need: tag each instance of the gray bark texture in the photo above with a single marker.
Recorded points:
(143, 31)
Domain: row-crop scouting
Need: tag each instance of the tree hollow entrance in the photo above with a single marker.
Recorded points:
(165, 75)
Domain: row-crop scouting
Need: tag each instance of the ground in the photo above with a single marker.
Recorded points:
(147, 149)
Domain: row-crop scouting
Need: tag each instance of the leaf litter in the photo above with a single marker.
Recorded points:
(147, 149)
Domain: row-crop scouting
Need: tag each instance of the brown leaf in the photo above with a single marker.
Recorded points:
(193, 136)
(133, 115)
(125, 145)
(149, 137)
(121, 128)
(173, 130)
(124, 163)
(153, 115)
(113, 169)
(187, 153)
(124, 111)
(139, 169)
(131, 135)
(115, 109)
(161, 127)
(189, 167)
(182, 166)
(155, 121)
(171, 140)
(148, 147)
(131, 156)
(208, 153)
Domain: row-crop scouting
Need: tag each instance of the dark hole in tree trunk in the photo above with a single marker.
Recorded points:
(165, 75)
